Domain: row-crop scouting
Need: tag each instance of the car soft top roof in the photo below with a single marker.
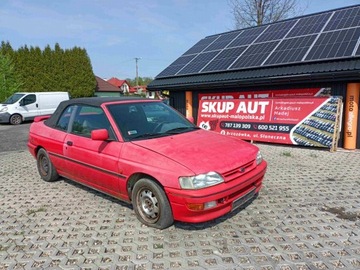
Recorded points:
(91, 101)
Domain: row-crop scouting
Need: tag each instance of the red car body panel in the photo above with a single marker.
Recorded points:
(107, 166)
(194, 151)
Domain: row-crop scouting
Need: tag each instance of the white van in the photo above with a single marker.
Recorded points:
(26, 106)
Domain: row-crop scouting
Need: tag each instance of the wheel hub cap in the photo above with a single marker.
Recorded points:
(149, 204)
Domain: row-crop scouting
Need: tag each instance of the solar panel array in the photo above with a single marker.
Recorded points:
(323, 36)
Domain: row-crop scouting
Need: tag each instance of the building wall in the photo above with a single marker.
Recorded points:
(108, 94)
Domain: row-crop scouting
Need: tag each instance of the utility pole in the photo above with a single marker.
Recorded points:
(137, 71)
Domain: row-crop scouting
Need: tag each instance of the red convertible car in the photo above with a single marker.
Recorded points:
(144, 152)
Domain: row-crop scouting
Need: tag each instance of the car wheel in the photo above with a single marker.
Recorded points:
(46, 169)
(15, 119)
(151, 204)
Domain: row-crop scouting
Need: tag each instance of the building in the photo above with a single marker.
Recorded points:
(290, 57)
(123, 85)
(106, 89)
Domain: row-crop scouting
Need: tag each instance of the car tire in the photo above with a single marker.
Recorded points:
(151, 205)
(15, 119)
(45, 167)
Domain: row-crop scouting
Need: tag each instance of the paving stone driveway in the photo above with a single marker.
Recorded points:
(306, 217)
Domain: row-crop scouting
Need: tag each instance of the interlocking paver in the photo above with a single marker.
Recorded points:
(306, 217)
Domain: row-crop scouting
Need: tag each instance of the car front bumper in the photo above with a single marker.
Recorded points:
(4, 117)
(228, 197)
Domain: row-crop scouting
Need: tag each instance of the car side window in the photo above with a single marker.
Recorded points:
(63, 122)
(87, 119)
(29, 99)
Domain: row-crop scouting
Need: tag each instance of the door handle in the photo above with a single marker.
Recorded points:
(70, 143)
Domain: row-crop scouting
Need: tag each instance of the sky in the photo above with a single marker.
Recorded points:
(115, 32)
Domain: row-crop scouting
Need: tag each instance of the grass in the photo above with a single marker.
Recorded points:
(34, 211)
(158, 246)
(286, 154)
(3, 248)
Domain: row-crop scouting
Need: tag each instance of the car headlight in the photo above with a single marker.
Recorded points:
(4, 109)
(259, 158)
(200, 181)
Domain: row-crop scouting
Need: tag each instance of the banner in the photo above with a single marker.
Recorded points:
(351, 115)
(301, 121)
(288, 93)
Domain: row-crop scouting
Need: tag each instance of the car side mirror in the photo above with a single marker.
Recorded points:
(100, 135)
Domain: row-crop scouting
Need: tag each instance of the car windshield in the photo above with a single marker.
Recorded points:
(14, 98)
(146, 120)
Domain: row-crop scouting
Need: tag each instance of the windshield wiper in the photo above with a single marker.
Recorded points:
(148, 135)
(180, 130)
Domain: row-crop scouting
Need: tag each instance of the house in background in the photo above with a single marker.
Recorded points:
(138, 90)
(106, 89)
(123, 85)
(115, 88)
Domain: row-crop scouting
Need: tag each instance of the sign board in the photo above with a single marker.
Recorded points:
(286, 93)
(307, 121)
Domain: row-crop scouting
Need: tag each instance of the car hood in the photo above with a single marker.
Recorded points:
(202, 151)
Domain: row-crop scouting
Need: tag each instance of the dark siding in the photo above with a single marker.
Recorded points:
(195, 105)
(178, 101)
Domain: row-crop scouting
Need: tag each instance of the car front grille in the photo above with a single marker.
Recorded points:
(239, 171)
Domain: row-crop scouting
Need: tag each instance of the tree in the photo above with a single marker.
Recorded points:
(141, 81)
(249, 13)
(79, 78)
(51, 69)
(9, 81)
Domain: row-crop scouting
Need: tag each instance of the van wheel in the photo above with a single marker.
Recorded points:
(151, 204)
(45, 167)
(15, 119)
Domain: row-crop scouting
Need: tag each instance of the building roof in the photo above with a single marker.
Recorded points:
(116, 82)
(325, 71)
(308, 47)
(104, 86)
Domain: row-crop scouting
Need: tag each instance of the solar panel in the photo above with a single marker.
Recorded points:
(247, 37)
(309, 25)
(323, 36)
(198, 63)
(290, 50)
(254, 55)
(201, 45)
(344, 19)
(224, 59)
(222, 41)
(358, 50)
(276, 31)
(177, 65)
(335, 44)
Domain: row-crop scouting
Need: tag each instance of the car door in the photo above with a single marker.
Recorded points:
(57, 137)
(28, 106)
(92, 162)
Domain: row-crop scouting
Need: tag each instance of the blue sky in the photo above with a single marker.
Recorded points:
(114, 32)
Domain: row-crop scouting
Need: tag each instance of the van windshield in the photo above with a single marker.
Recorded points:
(14, 98)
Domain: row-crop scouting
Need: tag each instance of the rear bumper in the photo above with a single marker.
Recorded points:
(241, 191)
